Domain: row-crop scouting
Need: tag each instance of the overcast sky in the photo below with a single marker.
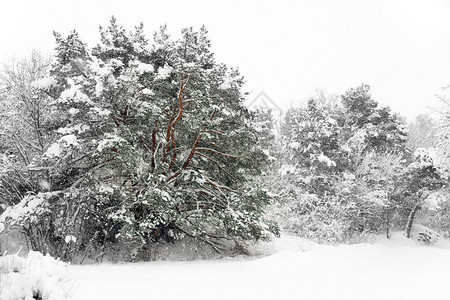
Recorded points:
(287, 49)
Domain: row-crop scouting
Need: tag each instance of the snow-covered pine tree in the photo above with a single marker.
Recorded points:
(313, 163)
(312, 138)
(381, 129)
(154, 143)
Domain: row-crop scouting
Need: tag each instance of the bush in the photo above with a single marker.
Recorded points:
(308, 216)
(52, 224)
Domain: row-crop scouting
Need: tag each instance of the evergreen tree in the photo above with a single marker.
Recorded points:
(154, 143)
(382, 130)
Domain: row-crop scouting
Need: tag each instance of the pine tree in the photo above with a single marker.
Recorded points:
(382, 129)
(154, 143)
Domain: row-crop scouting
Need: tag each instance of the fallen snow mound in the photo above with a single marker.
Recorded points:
(424, 234)
(34, 277)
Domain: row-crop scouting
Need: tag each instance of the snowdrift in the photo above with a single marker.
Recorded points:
(34, 277)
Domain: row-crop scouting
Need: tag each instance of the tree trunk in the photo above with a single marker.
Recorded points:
(411, 216)
(387, 223)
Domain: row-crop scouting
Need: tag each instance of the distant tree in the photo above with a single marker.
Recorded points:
(442, 129)
(382, 129)
(312, 138)
(340, 165)
(312, 163)
(264, 124)
(422, 133)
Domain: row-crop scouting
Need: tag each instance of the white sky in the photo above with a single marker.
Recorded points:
(287, 49)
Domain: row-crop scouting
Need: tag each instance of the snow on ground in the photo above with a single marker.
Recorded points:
(297, 269)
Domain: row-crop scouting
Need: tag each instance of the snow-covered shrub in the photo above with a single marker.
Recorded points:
(34, 277)
(50, 224)
(311, 217)
(424, 234)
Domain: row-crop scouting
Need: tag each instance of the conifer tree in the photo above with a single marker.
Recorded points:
(154, 143)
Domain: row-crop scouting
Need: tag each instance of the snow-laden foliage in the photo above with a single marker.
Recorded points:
(383, 130)
(34, 277)
(340, 165)
(24, 125)
(423, 180)
(28, 210)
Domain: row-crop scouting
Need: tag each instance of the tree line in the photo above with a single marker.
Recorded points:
(134, 143)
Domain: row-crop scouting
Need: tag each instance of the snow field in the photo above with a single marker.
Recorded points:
(298, 269)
